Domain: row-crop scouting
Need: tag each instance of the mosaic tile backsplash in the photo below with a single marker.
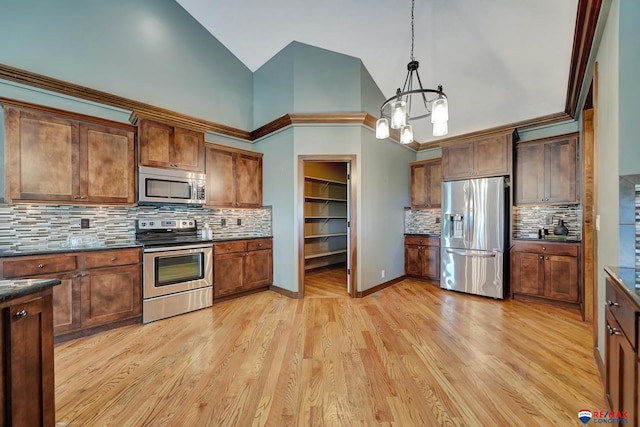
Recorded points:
(40, 226)
(423, 221)
(528, 220)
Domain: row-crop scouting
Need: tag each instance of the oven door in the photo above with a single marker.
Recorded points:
(169, 270)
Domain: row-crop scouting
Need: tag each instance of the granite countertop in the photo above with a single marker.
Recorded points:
(10, 289)
(422, 234)
(567, 239)
(629, 280)
(228, 239)
(62, 248)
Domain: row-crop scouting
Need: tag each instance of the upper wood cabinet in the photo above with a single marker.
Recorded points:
(234, 178)
(426, 184)
(489, 156)
(52, 157)
(546, 171)
(166, 146)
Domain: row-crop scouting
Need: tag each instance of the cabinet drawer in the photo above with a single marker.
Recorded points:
(38, 266)
(255, 245)
(229, 247)
(422, 240)
(548, 248)
(112, 258)
(623, 311)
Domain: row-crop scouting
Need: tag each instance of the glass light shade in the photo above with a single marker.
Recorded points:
(440, 129)
(398, 114)
(382, 128)
(406, 134)
(440, 110)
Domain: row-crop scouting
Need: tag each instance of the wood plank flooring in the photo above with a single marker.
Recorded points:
(409, 355)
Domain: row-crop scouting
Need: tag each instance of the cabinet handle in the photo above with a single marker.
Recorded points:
(40, 265)
(75, 276)
(83, 197)
(612, 304)
(613, 331)
(76, 197)
(22, 313)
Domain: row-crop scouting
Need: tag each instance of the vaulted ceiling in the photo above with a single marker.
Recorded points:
(500, 61)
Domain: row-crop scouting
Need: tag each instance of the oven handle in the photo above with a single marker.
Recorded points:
(176, 248)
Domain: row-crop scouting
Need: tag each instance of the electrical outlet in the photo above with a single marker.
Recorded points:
(239, 222)
(549, 220)
(84, 223)
(223, 222)
(382, 274)
(437, 220)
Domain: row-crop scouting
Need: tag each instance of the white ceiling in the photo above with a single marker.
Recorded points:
(500, 61)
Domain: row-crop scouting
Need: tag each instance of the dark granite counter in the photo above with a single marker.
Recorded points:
(423, 234)
(61, 248)
(568, 239)
(229, 239)
(628, 279)
(10, 289)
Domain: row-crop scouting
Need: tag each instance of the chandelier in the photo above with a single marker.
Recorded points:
(395, 112)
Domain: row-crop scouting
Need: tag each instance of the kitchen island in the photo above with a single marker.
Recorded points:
(26, 362)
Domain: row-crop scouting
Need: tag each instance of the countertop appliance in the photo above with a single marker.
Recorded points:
(177, 267)
(169, 186)
(473, 236)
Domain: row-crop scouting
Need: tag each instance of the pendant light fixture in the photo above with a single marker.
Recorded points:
(395, 112)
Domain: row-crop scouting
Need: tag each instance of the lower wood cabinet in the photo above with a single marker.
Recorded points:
(26, 361)
(622, 361)
(241, 266)
(546, 270)
(98, 288)
(422, 256)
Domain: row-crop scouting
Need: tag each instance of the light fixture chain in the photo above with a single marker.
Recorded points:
(413, 2)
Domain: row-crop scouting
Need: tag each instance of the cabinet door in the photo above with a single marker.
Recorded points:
(248, 178)
(66, 304)
(107, 164)
(420, 185)
(111, 294)
(220, 183)
(530, 174)
(560, 171)
(528, 273)
(228, 274)
(457, 161)
(258, 269)
(561, 276)
(431, 262)
(41, 157)
(28, 347)
(620, 368)
(188, 150)
(156, 144)
(435, 185)
(491, 156)
(413, 260)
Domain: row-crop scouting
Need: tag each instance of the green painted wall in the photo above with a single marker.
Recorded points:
(148, 50)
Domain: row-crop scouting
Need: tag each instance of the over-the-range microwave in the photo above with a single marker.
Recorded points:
(169, 186)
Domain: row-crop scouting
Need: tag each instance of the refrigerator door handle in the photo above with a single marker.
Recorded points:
(471, 253)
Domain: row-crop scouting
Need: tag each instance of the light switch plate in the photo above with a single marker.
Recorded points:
(549, 220)
(597, 222)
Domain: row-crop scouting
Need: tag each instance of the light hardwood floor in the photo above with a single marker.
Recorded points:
(409, 355)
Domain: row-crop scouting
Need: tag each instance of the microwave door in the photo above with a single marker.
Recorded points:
(157, 188)
(180, 190)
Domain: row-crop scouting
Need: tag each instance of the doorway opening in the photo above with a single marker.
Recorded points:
(326, 226)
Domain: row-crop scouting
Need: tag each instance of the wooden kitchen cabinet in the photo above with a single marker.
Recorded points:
(546, 171)
(170, 147)
(241, 266)
(621, 352)
(426, 184)
(422, 257)
(490, 156)
(234, 178)
(56, 157)
(546, 270)
(26, 362)
(98, 288)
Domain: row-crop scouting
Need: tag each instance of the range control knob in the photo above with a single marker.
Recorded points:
(151, 223)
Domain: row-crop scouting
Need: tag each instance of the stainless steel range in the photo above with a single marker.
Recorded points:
(177, 268)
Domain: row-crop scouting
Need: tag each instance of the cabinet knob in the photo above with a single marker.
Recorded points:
(259, 245)
(544, 249)
(546, 257)
(40, 265)
(113, 259)
(541, 257)
(76, 197)
(613, 331)
(22, 313)
(612, 304)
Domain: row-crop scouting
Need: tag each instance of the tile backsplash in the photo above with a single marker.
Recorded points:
(35, 226)
(422, 221)
(527, 220)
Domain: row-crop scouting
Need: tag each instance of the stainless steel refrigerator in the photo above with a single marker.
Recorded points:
(473, 236)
